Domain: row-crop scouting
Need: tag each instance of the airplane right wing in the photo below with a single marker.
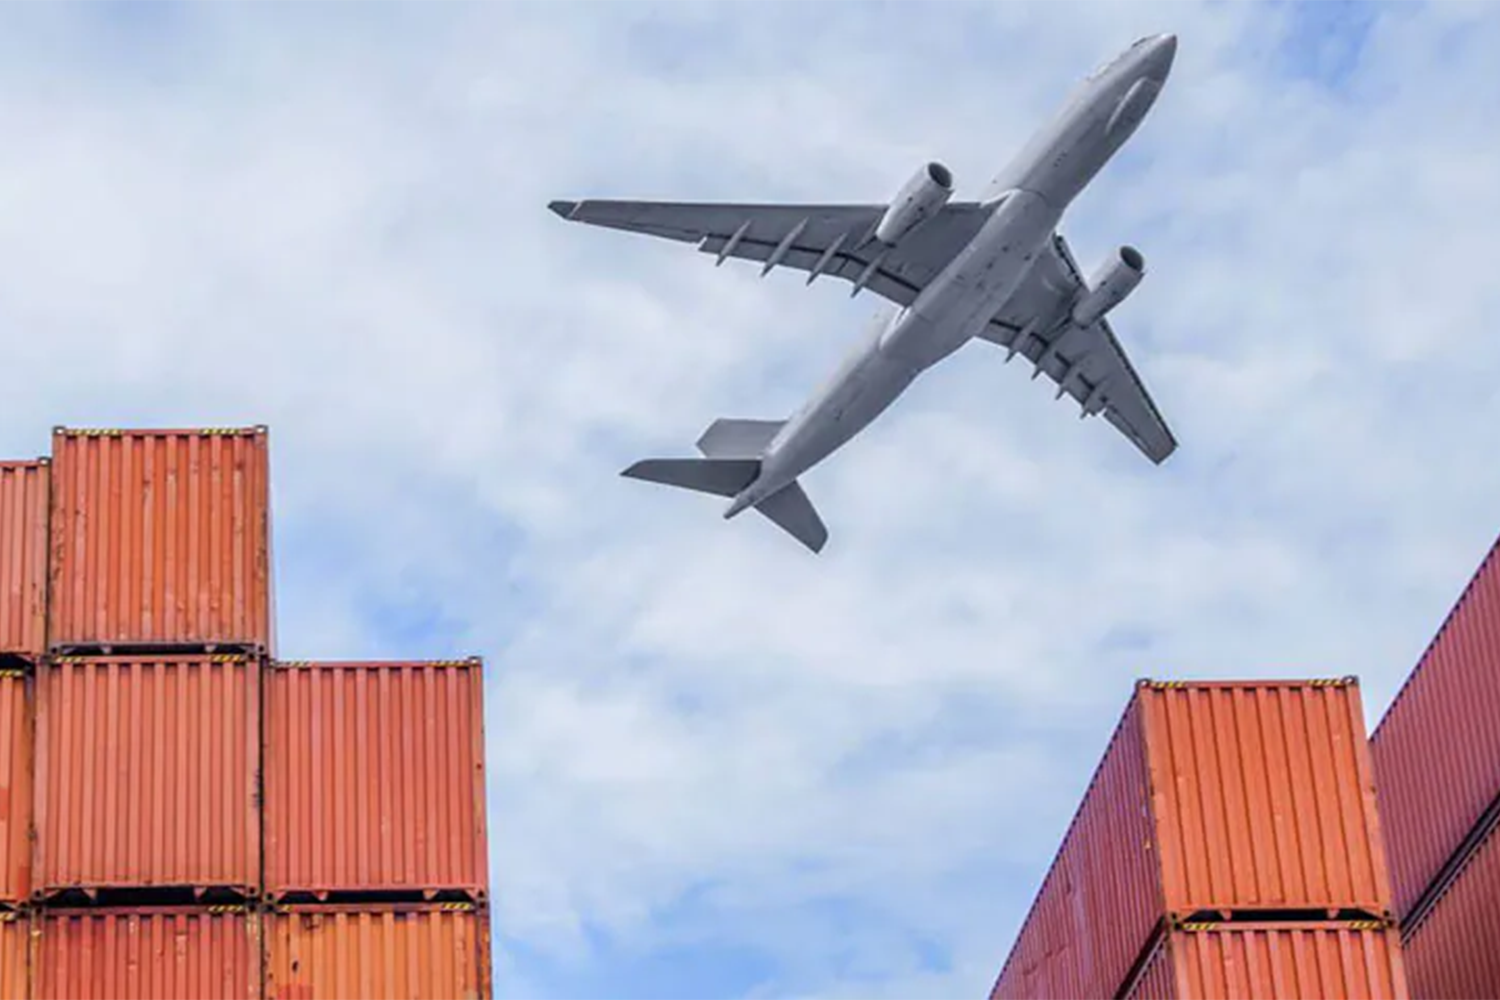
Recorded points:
(1087, 363)
(836, 240)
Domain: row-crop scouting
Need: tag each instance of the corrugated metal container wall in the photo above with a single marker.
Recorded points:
(375, 777)
(378, 953)
(1100, 901)
(201, 953)
(1442, 723)
(23, 557)
(160, 537)
(1276, 962)
(15, 957)
(158, 754)
(1238, 796)
(1455, 950)
(15, 792)
(1264, 797)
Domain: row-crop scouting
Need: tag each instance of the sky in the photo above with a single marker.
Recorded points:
(719, 766)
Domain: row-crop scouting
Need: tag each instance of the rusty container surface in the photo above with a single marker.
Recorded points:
(1437, 750)
(1240, 797)
(159, 538)
(146, 773)
(1275, 961)
(15, 955)
(169, 953)
(412, 952)
(375, 778)
(16, 736)
(1454, 952)
(23, 557)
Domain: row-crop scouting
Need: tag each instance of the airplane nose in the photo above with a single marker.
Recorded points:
(1156, 62)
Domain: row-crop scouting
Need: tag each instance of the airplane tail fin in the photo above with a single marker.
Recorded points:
(732, 450)
(791, 511)
(723, 477)
(730, 438)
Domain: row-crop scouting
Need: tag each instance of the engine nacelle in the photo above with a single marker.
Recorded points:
(1113, 282)
(918, 200)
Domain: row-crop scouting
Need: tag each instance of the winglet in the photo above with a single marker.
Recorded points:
(563, 208)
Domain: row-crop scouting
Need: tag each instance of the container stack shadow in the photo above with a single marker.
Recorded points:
(189, 816)
(1227, 846)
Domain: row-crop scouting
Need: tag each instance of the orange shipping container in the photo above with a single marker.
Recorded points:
(146, 772)
(23, 557)
(417, 952)
(375, 778)
(160, 538)
(168, 953)
(1437, 750)
(1454, 950)
(1213, 796)
(15, 946)
(1275, 961)
(15, 787)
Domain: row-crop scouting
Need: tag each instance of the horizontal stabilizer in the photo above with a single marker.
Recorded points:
(727, 438)
(793, 512)
(723, 477)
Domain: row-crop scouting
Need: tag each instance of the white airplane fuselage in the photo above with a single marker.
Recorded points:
(1026, 202)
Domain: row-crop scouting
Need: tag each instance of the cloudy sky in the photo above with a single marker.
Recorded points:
(720, 766)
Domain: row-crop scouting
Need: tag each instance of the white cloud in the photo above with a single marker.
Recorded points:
(336, 224)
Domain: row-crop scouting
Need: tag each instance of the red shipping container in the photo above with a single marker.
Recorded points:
(160, 539)
(1437, 750)
(146, 773)
(375, 778)
(1455, 949)
(1232, 797)
(1275, 961)
(415, 952)
(15, 946)
(168, 953)
(23, 557)
(15, 787)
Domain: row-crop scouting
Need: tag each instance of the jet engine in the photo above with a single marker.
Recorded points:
(1112, 283)
(918, 200)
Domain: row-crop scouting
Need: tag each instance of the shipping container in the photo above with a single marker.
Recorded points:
(159, 539)
(15, 786)
(23, 557)
(412, 952)
(1230, 797)
(1275, 961)
(146, 773)
(1437, 750)
(375, 778)
(1454, 952)
(169, 953)
(15, 957)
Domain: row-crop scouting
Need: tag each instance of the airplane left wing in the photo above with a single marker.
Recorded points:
(1086, 363)
(833, 240)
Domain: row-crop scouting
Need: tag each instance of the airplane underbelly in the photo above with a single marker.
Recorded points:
(849, 407)
(976, 285)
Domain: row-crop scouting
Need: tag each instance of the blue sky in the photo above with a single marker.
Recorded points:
(720, 768)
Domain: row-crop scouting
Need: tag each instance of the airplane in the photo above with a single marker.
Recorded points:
(996, 270)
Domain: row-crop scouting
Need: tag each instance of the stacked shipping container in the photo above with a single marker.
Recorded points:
(1239, 801)
(23, 559)
(135, 658)
(1437, 761)
(374, 776)
(1273, 961)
